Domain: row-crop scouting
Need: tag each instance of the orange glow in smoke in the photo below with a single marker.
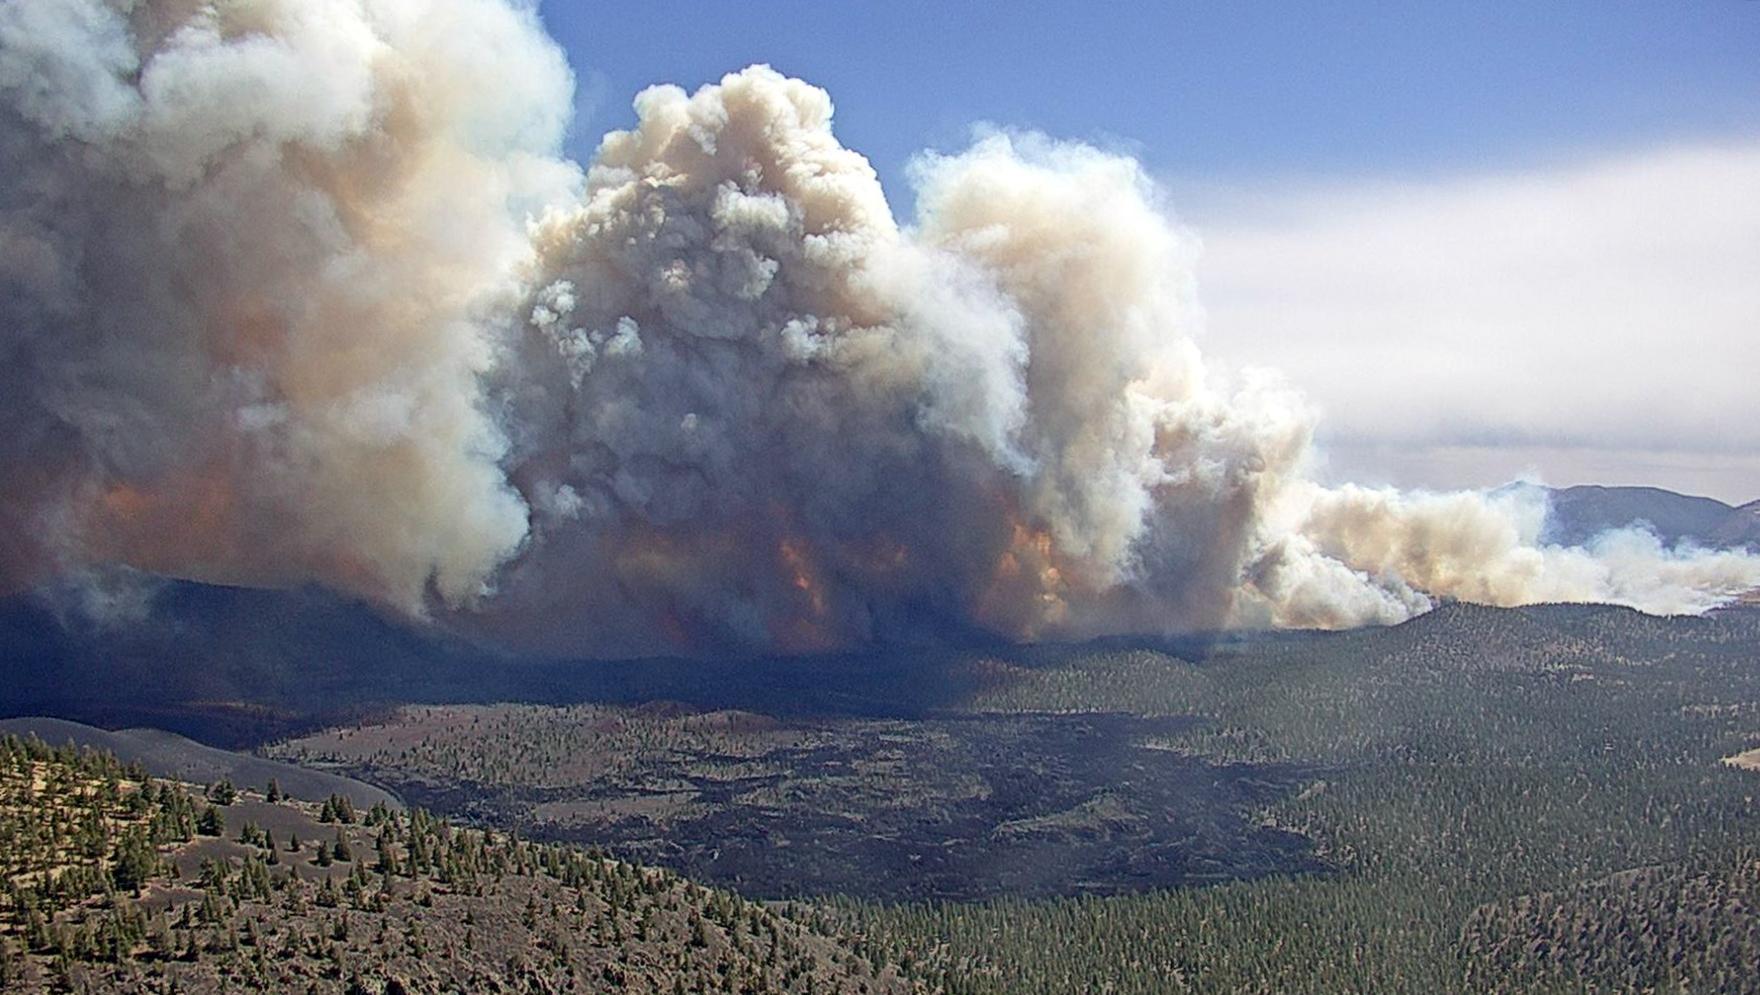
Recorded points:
(247, 333)
(800, 573)
(882, 555)
(673, 628)
(125, 503)
(183, 525)
(804, 632)
(1026, 591)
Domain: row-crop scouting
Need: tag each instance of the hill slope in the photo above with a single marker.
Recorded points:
(166, 754)
(1581, 513)
(228, 665)
(118, 883)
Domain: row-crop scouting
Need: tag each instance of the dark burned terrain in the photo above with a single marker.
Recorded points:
(951, 807)
(865, 774)
(1539, 799)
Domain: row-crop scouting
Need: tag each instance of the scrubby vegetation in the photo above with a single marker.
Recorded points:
(542, 747)
(111, 886)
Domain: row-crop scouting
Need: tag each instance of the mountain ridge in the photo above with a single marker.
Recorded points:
(1578, 514)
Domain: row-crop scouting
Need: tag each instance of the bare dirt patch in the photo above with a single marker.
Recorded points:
(1746, 760)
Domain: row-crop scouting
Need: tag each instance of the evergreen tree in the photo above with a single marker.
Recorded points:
(211, 823)
(223, 793)
(136, 861)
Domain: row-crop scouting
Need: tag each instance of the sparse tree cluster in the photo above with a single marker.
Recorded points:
(386, 900)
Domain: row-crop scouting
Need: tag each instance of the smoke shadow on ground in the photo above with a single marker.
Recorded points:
(235, 667)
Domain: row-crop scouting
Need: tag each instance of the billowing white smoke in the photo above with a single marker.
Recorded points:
(273, 312)
(250, 257)
(755, 409)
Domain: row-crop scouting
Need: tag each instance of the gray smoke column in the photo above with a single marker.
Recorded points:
(250, 259)
(755, 410)
(303, 291)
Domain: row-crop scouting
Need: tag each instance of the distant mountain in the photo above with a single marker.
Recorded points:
(235, 666)
(1742, 527)
(1581, 513)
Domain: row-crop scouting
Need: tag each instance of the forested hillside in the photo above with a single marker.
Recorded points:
(1524, 800)
(116, 882)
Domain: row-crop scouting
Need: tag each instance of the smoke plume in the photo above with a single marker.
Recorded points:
(250, 259)
(303, 291)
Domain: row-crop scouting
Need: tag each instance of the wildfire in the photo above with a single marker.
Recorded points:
(802, 631)
(1026, 591)
(881, 554)
(184, 524)
(673, 627)
(800, 574)
(125, 502)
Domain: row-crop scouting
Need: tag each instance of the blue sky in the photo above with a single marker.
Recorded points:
(1215, 89)
(1487, 240)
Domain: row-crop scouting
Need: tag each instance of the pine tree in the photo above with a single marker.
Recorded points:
(223, 793)
(212, 823)
(136, 861)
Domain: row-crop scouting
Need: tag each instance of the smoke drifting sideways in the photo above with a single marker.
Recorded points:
(305, 292)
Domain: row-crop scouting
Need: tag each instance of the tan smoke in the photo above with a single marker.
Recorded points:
(251, 253)
(1486, 548)
(273, 312)
(742, 378)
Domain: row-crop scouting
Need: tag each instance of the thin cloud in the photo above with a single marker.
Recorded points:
(1608, 306)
